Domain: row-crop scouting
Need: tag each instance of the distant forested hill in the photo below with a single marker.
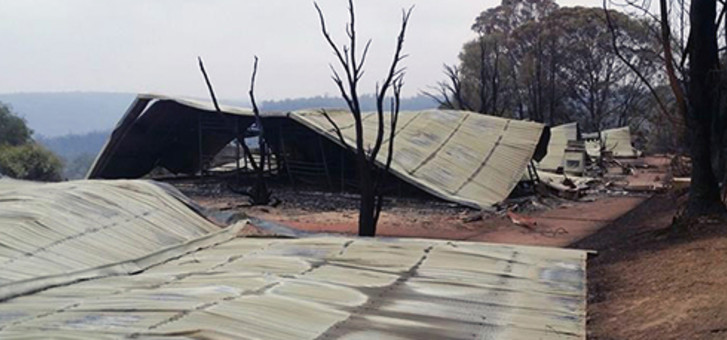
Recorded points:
(75, 125)
(76, 151)
(70, 146)
(57, 114)
(52, 114)
(368, 103)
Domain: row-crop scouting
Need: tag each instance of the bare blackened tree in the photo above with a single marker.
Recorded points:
(370, 178)
(479, 91)
(675, 82)
(259, 193)
(449, 93)
(699, 92)
(703, 92)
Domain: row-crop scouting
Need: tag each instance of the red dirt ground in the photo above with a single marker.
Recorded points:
(559, 227)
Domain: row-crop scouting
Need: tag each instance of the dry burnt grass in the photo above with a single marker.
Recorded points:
(648, 283)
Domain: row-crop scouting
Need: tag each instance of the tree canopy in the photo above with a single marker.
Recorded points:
(20, 156)
(535, 60)
(13, 130)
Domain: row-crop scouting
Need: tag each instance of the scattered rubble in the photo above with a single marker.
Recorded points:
(541, 197)
(522, 220)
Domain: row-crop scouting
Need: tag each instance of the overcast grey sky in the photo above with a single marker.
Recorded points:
(152, 45)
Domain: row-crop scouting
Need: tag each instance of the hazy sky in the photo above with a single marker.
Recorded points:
(152, 45)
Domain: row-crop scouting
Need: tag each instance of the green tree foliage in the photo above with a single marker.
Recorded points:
(534, 60)
(512, 14)
(20, 156)
(13, 130)
(600, 90)
(30, 161)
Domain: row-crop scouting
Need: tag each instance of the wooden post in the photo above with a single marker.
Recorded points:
(285, 159)
(343, 172)
(237, 151)
(199, 145)
(269, 152)
(325, 163)
(244, 158)
(535, 171)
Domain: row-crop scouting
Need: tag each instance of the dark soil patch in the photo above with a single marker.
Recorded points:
(647, 283)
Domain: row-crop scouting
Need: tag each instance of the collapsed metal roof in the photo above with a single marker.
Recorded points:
(469, 158)
(464, 157)
(219, 286)
(164, 131)
(559, 137)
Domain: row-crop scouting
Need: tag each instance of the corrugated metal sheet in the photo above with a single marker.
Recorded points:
(120, 259)
(200, 105)
(50, 233)
(318, 288)
(468, 158)
(559, 137)
(618, 141)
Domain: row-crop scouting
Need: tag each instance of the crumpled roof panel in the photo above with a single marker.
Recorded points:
(323, 287)
(559, 137)
(464, 157)
(50, 231)
(618, 141)
(132, 259)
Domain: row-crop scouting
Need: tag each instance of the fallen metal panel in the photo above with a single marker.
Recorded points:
(559, 137)
(120, 259)
(568, 186)
(464, 157)
(618, 141)
(50, 233)
(317, 288)
(121, 129)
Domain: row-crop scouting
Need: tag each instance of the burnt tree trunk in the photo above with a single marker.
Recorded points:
(260, 193)
(702, 93)
(367, 206)
(370, 183)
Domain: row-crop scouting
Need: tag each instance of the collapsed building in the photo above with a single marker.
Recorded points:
(566, 151)
(569, 150)
(615, 143)
(468, 158)
(575, 160)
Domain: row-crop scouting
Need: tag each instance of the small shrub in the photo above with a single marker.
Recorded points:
(30, 161)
